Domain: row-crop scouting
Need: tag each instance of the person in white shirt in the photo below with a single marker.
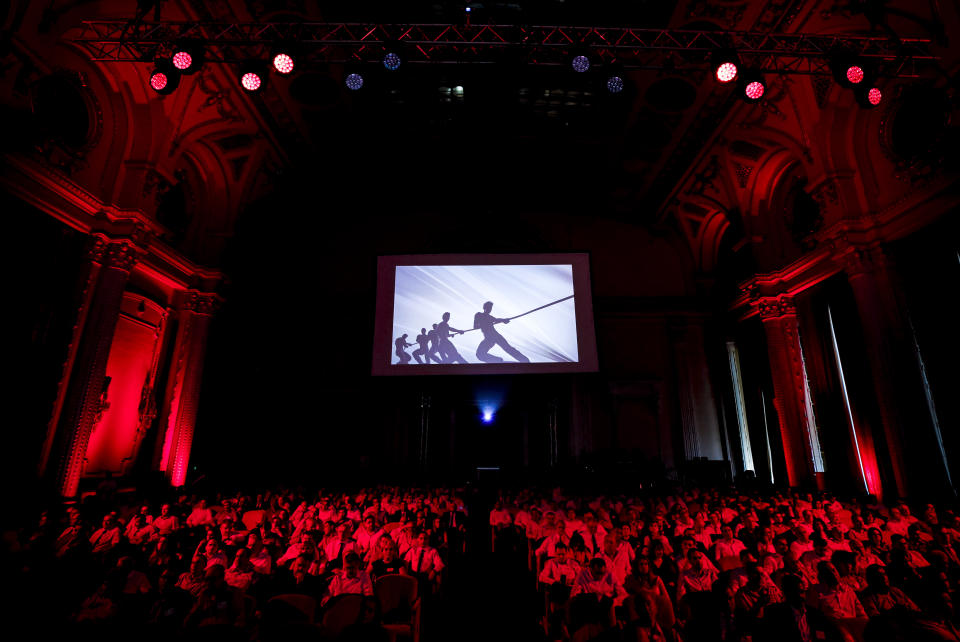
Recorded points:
(554, 535)
(349, 580)
(367, 536)
(424, 561)
(618, 557)
(138, 531)
(105, 537)
(201, 515)
(260, 557)
(166, 523)
(596, 581)
(727, 549)
(334, 549)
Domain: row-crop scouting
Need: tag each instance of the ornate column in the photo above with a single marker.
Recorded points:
(183, 384)
(893, 362)
(779, 317)
(86, 379)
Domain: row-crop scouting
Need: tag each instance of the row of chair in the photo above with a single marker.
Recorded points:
(395, 594)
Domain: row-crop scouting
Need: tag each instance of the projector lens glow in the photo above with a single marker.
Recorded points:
(391, 61)
(874, 96)
(854, 74)
(726, 72)
(250, 81)
(283, 63)
(614, 84)
(354, 81)
(754, 90)
(182, 60)
(158, 81)
(581, 64)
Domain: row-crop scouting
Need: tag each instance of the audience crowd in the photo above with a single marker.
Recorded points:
(716, 565)
(687, 565)
(204, 571)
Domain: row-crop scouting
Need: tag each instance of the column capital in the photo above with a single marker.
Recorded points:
(200, 302)
(862, 259)
(775, 307)
(119, 253)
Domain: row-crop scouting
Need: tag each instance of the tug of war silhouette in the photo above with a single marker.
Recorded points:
(435, 345)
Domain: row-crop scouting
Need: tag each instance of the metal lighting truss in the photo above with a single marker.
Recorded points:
(628, 48)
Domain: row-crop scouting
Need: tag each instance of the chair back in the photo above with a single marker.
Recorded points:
(395, 591)
(253, 518)
(303, 603)
(341, 612)
(389, 527)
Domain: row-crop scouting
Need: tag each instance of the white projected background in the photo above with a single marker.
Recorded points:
(423, 293)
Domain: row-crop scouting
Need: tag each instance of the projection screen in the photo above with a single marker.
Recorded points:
(483, 314)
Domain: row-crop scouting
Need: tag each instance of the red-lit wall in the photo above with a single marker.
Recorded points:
(129, 402)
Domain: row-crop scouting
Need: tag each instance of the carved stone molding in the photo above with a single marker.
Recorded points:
(775, 307)
(201, 302)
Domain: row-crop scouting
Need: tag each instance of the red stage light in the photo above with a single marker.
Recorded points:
(283, 63)
(754, 90)
(854, 74)
(250, 81)
(874, 96)
(182, 60)
(158, 80)
(726, 72)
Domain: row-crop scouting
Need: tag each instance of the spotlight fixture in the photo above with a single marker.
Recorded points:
(391, 61)
(164, 78)
(188, 57)
(252, 77)
(752, 86)
(580, 63)
(724, 66)
(283, 58)
(353, 81)
(283, 63)
(849, 71)
(615, 83)
(868, 95)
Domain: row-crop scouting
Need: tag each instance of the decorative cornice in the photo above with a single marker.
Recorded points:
(205, 303)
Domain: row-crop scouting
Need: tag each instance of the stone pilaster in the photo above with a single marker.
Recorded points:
(183, 385)
(779, 317)
(85, 388)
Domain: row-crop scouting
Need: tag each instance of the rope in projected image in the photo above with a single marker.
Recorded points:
(524, 313)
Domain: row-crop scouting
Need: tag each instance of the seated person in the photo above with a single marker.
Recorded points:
(107, 536)
(879, 597)
(388, 561)
(241, 573)
(200, 516)
(349, 580)
(424, 562)
(559, 574)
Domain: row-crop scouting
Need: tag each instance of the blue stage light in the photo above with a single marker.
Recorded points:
(391, 61)
(354, 81)
(487, 415)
